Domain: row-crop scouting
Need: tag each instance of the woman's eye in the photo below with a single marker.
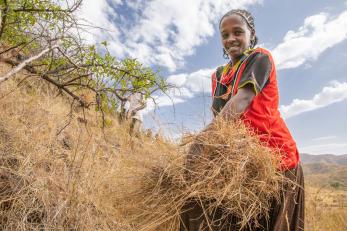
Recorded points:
(237, 33)
(224, 36)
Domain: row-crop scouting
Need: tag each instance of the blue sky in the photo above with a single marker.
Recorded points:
(308, 39)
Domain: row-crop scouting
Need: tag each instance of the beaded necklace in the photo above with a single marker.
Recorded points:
(230, 72)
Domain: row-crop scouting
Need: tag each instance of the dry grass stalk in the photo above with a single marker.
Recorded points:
(325, 208)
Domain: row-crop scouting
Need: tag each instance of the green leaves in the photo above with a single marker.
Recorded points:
(34, 25)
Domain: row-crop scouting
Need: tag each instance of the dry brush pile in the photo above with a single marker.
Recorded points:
(59, 170)
(227, 169)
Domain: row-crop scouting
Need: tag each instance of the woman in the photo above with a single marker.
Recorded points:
(246, 88)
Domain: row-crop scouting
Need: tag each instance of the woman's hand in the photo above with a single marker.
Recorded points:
(231, 111)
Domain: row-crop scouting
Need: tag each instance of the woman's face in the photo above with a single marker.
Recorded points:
(236, 36)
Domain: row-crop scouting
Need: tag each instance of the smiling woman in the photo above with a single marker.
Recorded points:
(236, 35)
(246, 89)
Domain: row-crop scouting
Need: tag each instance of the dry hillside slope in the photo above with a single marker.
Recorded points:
(59, 170)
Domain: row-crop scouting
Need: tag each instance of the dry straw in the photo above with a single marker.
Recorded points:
(61, 172)
(228, 171)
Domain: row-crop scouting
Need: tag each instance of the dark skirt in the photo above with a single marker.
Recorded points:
(286, 215)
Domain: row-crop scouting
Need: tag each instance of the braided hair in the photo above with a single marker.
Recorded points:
(248, 18)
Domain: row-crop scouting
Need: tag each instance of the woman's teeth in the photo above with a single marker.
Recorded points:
(231, 48)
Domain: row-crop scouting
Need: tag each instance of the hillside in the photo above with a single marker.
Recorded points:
(319, 174)
(60, 170)
(325, 158)
(325, 170)
(326, 191)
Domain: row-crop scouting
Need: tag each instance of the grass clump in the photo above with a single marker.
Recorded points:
(227, 168)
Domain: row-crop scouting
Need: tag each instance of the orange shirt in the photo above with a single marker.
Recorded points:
(257, 68)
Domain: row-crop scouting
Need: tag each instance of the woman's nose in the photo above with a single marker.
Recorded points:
(230, 38)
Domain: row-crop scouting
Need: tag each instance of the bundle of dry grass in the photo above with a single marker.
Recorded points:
(227, 168)
(235, 171)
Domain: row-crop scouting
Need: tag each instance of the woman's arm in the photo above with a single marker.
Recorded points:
(232, 110)
(238, 103)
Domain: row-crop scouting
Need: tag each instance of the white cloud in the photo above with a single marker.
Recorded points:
(172, 31)
(318, 33)
(161, 32)
(186, 87)
(324, 138)
(327, 148)
(198, 81)
(336, 92)
(98, 14)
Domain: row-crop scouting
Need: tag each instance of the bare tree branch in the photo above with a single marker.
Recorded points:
(26, 62)
(69, 10)
(32, 70)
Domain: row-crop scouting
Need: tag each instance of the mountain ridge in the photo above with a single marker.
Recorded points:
(324, 158)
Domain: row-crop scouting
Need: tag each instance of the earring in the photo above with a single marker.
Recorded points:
(225, 54)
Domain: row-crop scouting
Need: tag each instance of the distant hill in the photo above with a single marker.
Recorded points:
(326, 159)
(325, 169)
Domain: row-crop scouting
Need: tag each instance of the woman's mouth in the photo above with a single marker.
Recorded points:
(232, 49)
